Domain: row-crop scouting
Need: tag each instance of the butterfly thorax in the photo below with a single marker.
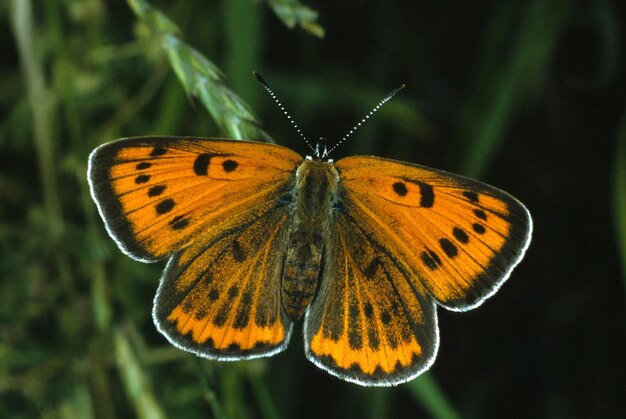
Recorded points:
(314, 192)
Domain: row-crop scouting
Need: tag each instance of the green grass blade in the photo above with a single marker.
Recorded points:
(267, 407)
(426, 391)
(501, 89)
(377, 403)
(39, 101)
(199, 76)
(244, 37)
(619, 195)
(136, 380)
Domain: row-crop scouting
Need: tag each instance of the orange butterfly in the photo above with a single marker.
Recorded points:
(256, 237)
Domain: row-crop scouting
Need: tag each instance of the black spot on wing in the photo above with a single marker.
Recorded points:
(370, 271)
(353, 312)
(142, 179)
(368, 310)
(265, 318)
(460, 235)
(243, 311)
(165, 206)
(480, 214)
(222, 314)
(478, 228)
(214, 295)
(427, 195)
(392, 341)
(188, 305)
(237, 251)
(233, 292)
(143, 165)
(229, 165)
(472, 196)
(355, 338)
(158, 151)
(373, 341)
(201, 313)
(156, 190)
(385, 317)
(179, 222)
(201, 164)
(400, 188)
(448, 247)
(430, 259)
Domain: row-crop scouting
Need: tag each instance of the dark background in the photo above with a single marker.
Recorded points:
(527, 96)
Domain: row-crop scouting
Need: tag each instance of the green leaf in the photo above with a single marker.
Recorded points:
(200, 77)
(293, 12)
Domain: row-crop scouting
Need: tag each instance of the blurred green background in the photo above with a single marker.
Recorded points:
(527, 96)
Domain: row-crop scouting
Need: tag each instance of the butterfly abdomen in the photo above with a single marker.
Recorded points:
(301, 272)
(316, 185)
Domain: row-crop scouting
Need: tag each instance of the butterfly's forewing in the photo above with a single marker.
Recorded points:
(371, 322)
(459, 237)
(213, 206)
(157, 194)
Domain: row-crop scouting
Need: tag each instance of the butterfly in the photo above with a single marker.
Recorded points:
(256, 237)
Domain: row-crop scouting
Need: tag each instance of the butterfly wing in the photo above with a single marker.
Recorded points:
(221, 298)
(157, 194)
(371, 323)
(214, 207)
(461, 238)
(406, 236)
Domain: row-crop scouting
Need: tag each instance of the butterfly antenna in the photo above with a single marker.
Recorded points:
(377, 107)
(282, 108)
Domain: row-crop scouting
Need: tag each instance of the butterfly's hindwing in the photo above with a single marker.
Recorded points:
(221, 298)
(371, 323)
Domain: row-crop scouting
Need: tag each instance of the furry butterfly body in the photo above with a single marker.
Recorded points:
(257, 237)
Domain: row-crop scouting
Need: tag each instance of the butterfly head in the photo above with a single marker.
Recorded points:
(321, 150)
